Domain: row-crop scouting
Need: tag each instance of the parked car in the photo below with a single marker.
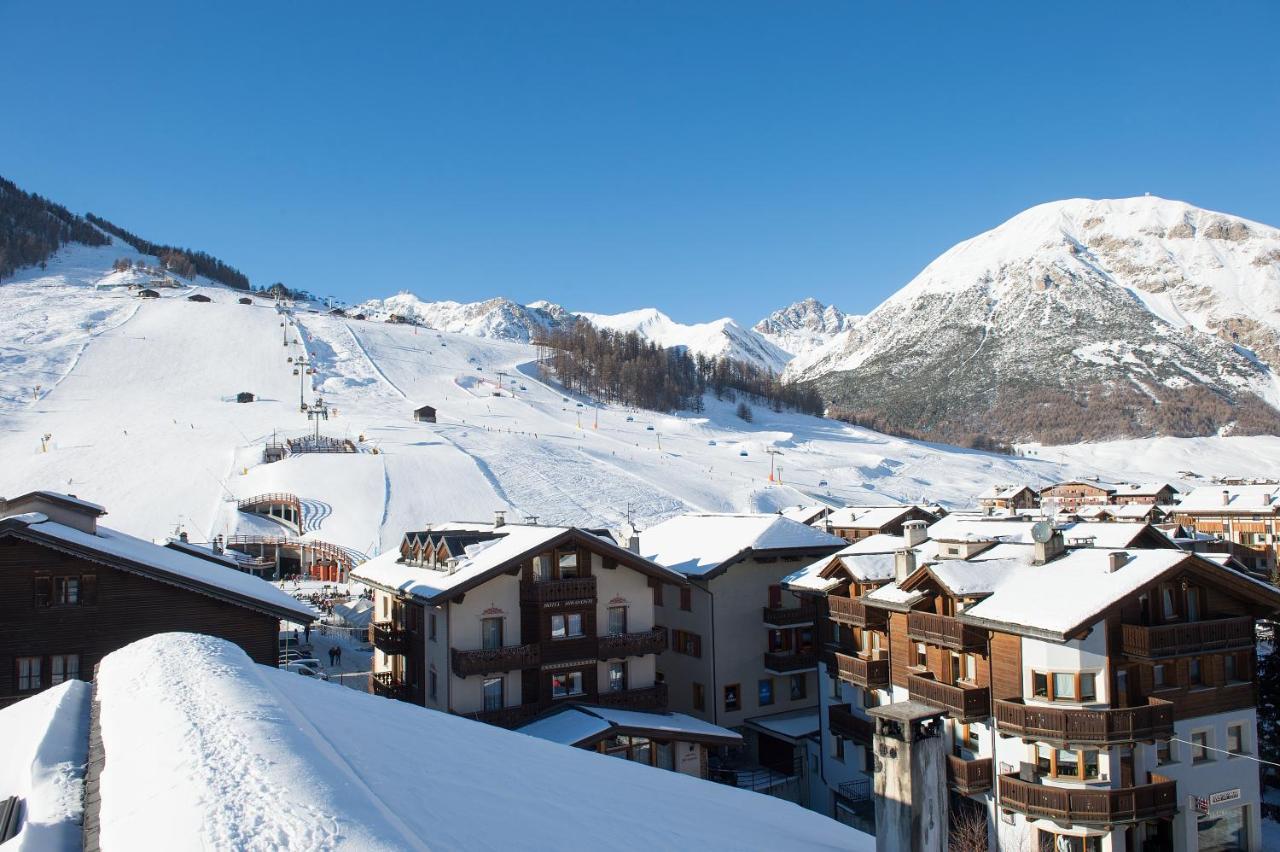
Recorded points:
(630, 419)
(649, 428)
(305, 670)
(711, 443)
(292, 656)
(742, 452)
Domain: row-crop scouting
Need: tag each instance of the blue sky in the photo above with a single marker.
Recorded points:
(707, 158)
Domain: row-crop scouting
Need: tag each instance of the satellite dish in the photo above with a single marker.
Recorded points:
(1042, 532)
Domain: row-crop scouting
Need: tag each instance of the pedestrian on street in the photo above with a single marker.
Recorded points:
(338, 649)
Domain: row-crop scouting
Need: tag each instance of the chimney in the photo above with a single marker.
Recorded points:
(633, 544)
(904, 564)
(217, 543)
(182, 536)
(499, 519)
(1116, 561)
(1226, 497)
(913, 532)
(532, 520)
(1047, 551)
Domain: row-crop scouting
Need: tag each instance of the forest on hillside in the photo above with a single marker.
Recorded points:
(180, 261)
(32, 228)
(622, 367)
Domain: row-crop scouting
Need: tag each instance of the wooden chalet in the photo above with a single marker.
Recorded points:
(424, 414)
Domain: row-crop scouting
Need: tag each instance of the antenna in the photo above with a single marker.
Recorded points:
(1042, 531)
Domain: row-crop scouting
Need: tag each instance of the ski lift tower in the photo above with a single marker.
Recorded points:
(772, 451)
(301, 363)
(316, 412)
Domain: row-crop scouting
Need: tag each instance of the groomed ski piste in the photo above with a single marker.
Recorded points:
(137, 398)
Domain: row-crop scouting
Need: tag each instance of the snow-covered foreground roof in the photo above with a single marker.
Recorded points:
(865, 567)
(203, 745)
(118, 549)
(867, 517)
(45, 746)
(580, 723)
(697, 544)
(1239, 498)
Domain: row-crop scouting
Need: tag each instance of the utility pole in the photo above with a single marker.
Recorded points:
(44, 442)
(772, 451)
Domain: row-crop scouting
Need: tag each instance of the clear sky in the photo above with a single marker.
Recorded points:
(707, 158)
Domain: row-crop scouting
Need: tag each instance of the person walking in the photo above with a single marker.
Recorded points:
(332, 652)
(338, 649)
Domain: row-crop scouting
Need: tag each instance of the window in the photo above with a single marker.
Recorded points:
(431, 627)
(1065, 763)
(567, 560)
(689, 644)
(1158, 675)
(657, 594)
(1088, 686)
(732, 699)
(617, 620)
(638, 749)
(1229, 670)
(565, 684)
(969, 737)
(837, 747)
(699, 697)
(1169, 602)
(63, 667)
(431, 685)
(1164, 752)
(1200, 747)
(1064, 687)
(28, 674)
(490, 633)
(765, 691)
(617, 677)
(1235, 739)
(493, 698)
(1051, 841)
(1193, 671)
(686, 599)
(798, 688)
(542, 567)
(922, 656)
(566, 626)
(1039, 685)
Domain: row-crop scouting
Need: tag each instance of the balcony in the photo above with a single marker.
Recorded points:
(388, 637)
(968, 777)
(786, 662)
(844, 723)
(490, 660)
(1169, 640)
(868, 674)
(386, 685)
(945, 631)
(647, 698)
(615, 646)
(559, 591)
(965, 703)
(1078, 726)
(789, 616)
(571, 650)
(505, 717)
(1089, 806)
(854, 613)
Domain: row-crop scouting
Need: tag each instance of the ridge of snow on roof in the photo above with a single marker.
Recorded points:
(1240, 498)
(867, 516)
(515, 539)
(978, 577)
(1002, 492)
(1073, 588)
(46, 745)
(583, 721)
(957, 527)
(696, 544)
(173, 562)
(273, 750)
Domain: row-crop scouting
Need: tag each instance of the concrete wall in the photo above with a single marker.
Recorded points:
(1081, 655)
(680, 670)
(498, 598)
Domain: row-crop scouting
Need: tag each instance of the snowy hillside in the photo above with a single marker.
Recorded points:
(1153, 316)
(805, 326)
(137, 397)
(496, 318)
(722, 338)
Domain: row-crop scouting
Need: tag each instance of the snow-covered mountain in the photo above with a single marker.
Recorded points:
(498, 318)
(722, 338)
(1073, 320)
(804, 326)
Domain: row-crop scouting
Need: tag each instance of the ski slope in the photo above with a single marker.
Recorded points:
(137, 397)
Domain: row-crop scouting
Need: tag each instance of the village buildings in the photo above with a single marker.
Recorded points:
(1248, 516)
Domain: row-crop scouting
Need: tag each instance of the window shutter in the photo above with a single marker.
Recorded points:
(88, 589)
(44, 591)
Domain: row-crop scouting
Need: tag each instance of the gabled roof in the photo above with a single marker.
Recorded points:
(1091, 483)
(510, 546)
(869, 517)
(583, 724)
(704, 545)
(1004, 492)
(830, 571)
(961, 578)
(1143, 489)
(69, 501)
(1240, 498)
(156, 562)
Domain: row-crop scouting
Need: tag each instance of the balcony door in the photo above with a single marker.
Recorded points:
(491, 633)
(617, 620)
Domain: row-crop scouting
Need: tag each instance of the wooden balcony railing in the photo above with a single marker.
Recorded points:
(1089, 806)
(489, 660)
(388, 637)
(844, 723)
(1194, 637)
(868, 674)
(617, 645)
(570, 650)
(855, 613)
(646, 698)
(554, 591)
(1080, 726)
(386, 685)
(969, 776)
(966, 703)
(505, 717)
(789, 616)
(789, 662)
(945, 631)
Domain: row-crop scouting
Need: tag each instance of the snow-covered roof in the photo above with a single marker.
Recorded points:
(806, 514)
(877, 543)
(980, 577)
(129, 553)
(581, 723)
(1003, 492)
(511, 543)
(867, 517)
(976, 528)
(1240, 498)
(793, 724)
(46, 745)
(893, 596)
(213, 749)
(697, 544)
(1132, 511)
(1143, 489)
